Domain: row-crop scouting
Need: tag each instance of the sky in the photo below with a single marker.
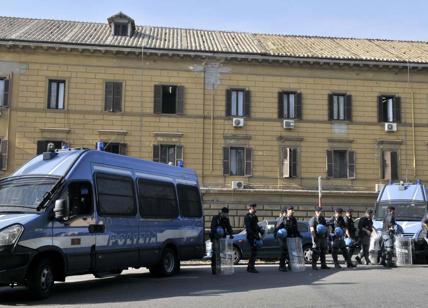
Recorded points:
(393, 19)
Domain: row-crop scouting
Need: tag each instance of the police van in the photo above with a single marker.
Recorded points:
(78, 211)
(410, 202)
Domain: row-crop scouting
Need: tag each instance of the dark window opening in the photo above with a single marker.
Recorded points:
(238, 103)
(42, 145)
(80, 198)
(237, 161)
(389, 109)
(56, 94)
(120, 29)
(168, 154)
(169, 99)
(289, 162)
(113, 96)
(189, 199)
(117, 148)
(341, 164)
(4, 92)
(115, 195)
(389, 165)
(157, 199)
(289, 105)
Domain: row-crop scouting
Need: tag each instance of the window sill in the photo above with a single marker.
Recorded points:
(55, 110)
(168, 114)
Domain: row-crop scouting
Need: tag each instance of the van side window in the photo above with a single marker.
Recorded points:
(157, 199)
(115, 195)
(80, 198)
(189, 200)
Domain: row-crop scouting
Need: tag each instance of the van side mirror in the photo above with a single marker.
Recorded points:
(61, 209)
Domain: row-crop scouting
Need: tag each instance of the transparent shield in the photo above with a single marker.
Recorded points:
(226, 256)
(295, 254)
(403, 251)
(374, 247)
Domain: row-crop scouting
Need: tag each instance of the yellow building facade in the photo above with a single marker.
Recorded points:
(255, 127)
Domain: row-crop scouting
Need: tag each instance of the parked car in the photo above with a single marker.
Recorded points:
(270, 249)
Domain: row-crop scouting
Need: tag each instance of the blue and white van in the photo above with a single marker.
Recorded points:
(410, 202)
(72, 212)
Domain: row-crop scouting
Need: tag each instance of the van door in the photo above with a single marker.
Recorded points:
(73, 236)
(117, 236)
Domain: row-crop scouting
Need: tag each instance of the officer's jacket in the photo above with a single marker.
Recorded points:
(251, 226)
(219, 221)
(349, 223)
(315, 221)
(388, 222)
(366, 223)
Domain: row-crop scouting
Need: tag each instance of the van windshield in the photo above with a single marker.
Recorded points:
(403, 211)
(25, 192)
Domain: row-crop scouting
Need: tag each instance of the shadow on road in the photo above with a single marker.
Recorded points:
(190, 282)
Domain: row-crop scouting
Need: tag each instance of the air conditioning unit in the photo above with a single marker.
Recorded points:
(237, 185)
(238, 122)
(390, 127)
(379, 187)
(289, 124)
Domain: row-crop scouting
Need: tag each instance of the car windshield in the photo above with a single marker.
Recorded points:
(403, 211)
(24, 192)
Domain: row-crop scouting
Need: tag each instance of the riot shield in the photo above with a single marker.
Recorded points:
(374, 248)
(295, 254)
(403, 251)
(226, 256)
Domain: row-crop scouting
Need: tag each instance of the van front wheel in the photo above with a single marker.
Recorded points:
(168, 265)
(41, 279)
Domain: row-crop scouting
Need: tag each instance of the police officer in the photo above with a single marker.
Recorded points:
(365, 229)
(220, 220)
(338, 240)
(254, 233)
(281, 224)
(350, 231)
(319, 240)
(388, 237)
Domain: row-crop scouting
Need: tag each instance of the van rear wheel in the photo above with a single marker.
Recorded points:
(40, 279)
(168, 265)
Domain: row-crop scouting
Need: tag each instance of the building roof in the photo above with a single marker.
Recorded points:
(15, 31)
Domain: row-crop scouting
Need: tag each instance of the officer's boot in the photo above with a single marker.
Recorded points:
(335, 260)
(347, 257)
(314, 261)
(323, 263)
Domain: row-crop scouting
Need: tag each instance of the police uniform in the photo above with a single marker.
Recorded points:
(350, 226)
(218, 221)
(388, 239)
(365, 228)
(281, 224)
(253, 234)
(339, 242)
(319, 248)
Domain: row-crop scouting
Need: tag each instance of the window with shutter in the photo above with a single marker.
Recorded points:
(156, 152)
(289, 105)
(169, 99)
(389, 109)
(168, 154)
(237, 102)
(5, 86)
(237, 161)
(337, 107)
(341, 164)
(4, 154)
(389, 165)
(289, 162)
(113, 96)
(248, 161)
(226, 161)
(247, 103)
(56, 94)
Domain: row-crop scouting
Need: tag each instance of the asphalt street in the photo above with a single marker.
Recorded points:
(195, 286)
